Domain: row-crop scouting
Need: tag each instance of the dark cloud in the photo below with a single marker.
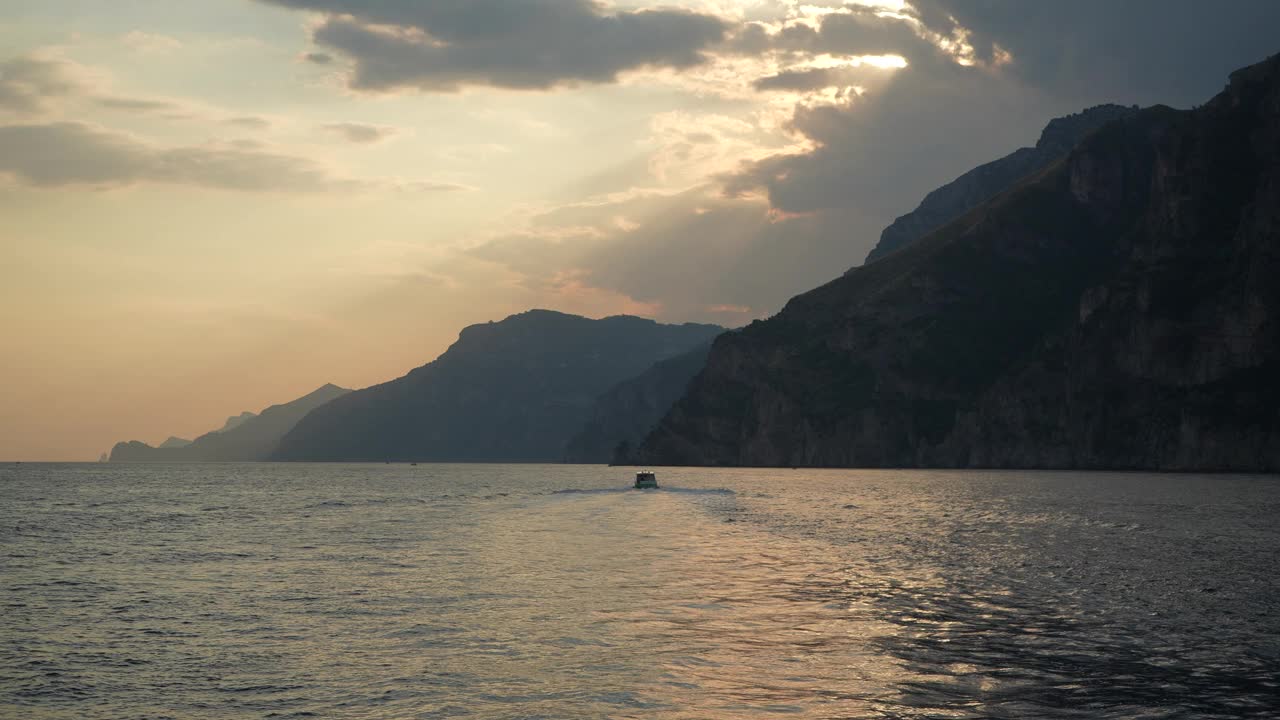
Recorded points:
(36, 83)
(864, 33)
(72, 153)
(318, 58)
(1176, 52)
(936, 119)
(28, 82)
(880, 153)
(700, 253)
(844, 34)
(443, 45)
(789, 222)
(875, 156)
(750, 39)
(538, 258)
(362, 133)
(696, 254)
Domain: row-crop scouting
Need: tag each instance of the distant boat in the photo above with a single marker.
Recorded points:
(645, 480)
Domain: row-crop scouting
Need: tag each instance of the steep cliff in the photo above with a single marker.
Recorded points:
(244, 438)
(984, 182)
(623, 415)
(510, 391)
(1118, 310)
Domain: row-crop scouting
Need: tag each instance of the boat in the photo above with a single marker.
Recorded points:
(645, 480)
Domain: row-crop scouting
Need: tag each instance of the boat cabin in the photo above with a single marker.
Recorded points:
(646, 480)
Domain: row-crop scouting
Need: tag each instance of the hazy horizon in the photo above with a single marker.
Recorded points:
(215, 206)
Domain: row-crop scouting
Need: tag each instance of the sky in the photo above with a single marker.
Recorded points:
(212, 206)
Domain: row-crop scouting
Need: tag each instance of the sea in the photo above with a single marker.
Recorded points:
(556, 591)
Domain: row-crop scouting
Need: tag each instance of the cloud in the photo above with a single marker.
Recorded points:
(133, 104)
(689, 255)
(880, 152)
(690, 147)
(445, 45)
(73, 153)
(361, 133)
(42, 152)
(537, 258)
(809, 53)
(1176, 52)
(787, 220)
(701, 251)
(251, 122)
(846, 32)
(45, 83)
(29, 82)
(318, 58)
(808, 79)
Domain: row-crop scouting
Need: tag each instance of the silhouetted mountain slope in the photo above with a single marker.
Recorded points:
(630, 409)
(236, 421)
(514, 390)
(986, 181)
(251, 438)
(1119, 310)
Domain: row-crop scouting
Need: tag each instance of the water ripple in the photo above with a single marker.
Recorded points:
(555, 591)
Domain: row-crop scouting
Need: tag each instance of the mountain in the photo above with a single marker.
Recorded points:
(236, 421)
(623, 415)
(510, 391)
(1118, 310)
(175, 442)
(984, 182)
(254, 438)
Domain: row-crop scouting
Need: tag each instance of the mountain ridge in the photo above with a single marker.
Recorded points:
(624, 414)
(974, 187)
(509, 391)
(253, 437)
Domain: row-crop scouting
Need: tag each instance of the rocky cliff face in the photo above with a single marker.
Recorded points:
(249, 438)
(623, 415)
(1118, 310)
(511, 391)
(984, 182)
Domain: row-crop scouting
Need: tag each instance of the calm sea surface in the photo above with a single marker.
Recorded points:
(542, 591)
